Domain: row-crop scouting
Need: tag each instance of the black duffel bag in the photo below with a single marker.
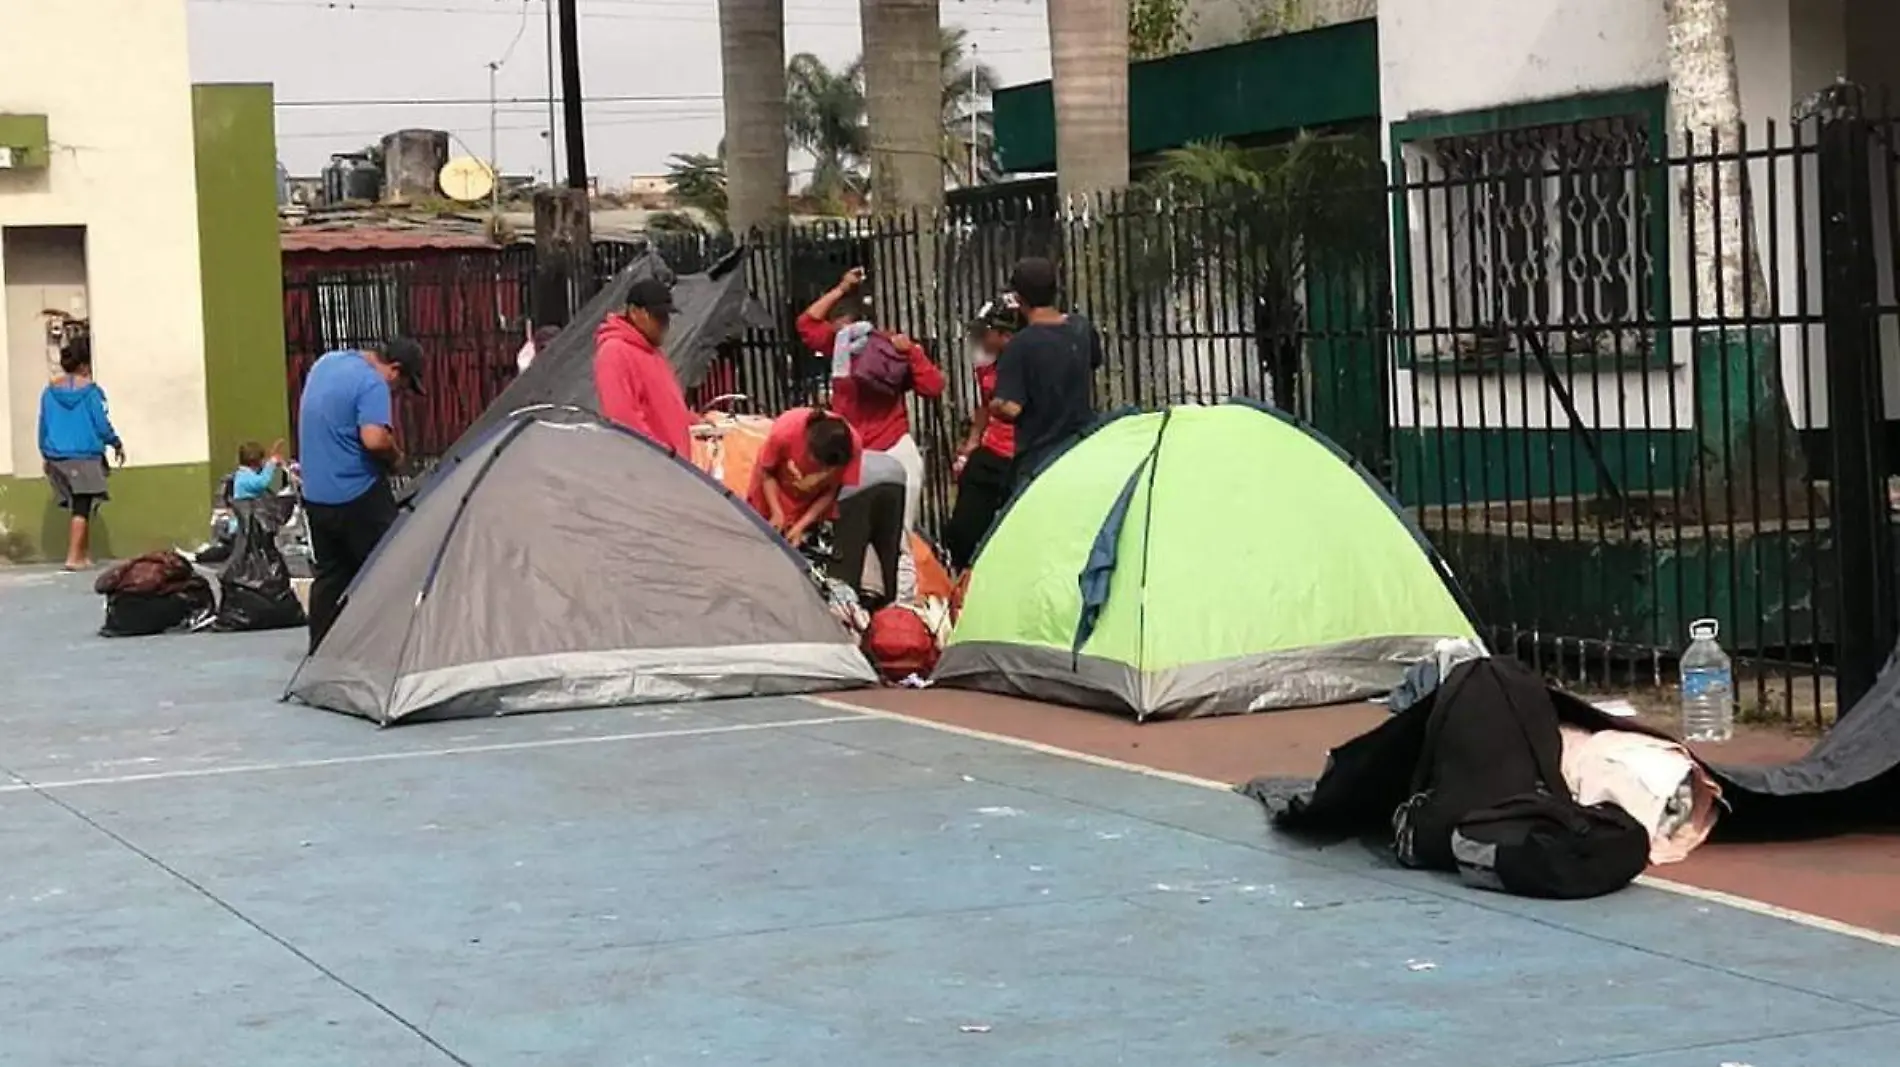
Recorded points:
(1542, 845)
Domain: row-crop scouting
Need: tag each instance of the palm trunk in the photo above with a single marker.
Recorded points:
(903, 90)
(1706, 100)
(1748, 459)
(752, 55)
(1088, 40)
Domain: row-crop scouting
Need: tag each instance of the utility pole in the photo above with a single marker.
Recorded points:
(554, 122)
(571, 102)
(563, 237)
(494, 145)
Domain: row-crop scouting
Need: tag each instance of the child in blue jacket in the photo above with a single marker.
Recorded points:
(75, 432)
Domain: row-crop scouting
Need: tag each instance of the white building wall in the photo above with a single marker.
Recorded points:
(1438, 56)
(112, 78)
(1448, 56)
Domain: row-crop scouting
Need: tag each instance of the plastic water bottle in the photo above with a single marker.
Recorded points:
(1708, 686)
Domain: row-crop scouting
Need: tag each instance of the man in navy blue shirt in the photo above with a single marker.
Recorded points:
(347, 449)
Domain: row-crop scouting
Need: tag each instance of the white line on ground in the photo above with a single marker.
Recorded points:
(462, 750)
(1712, 896)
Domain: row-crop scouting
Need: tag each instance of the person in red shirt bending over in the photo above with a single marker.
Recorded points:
(878, 415)
(808, 458)
(636, 383)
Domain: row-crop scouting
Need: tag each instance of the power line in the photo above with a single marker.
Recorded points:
(656, 10)
(470, 101)
(539, 127)
(400, 8)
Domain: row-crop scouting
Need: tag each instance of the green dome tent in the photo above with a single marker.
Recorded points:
(1201, 561)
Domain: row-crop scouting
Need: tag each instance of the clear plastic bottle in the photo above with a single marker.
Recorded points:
(1708, 686)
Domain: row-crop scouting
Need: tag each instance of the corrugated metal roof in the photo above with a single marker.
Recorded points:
(376, 239)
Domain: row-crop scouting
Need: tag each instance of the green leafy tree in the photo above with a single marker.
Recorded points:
(1158, 28)
(824, 116)
(698, 182)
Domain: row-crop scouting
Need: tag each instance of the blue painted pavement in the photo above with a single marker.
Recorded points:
(197, 875)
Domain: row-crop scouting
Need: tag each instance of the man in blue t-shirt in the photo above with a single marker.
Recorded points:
(347, 450)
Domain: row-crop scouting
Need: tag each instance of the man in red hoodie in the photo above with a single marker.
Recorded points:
(881, 419)
(635, 380)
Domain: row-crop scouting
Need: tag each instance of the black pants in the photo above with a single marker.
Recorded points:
(981, 494)
(872, 519)
(341, 538)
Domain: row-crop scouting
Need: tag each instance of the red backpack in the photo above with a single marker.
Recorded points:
(900, 644)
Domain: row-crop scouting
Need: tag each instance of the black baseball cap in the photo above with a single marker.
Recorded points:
(651, 294)
(404, 354)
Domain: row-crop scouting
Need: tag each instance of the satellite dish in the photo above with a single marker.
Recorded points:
(467, 179)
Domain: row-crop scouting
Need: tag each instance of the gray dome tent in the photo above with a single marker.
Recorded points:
(568, 563)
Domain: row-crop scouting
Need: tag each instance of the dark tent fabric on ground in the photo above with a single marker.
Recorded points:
(712, 309)
(1850, 779)
(1201, 561)
(570, 564)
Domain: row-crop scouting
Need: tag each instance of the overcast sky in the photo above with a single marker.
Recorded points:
(663, 53)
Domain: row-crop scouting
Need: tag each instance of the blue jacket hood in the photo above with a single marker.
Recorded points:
(73, 420)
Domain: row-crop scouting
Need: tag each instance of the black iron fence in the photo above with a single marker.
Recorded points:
(1621, 381)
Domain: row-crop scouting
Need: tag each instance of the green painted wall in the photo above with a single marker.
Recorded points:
(246, 395)
(151, 508)
(1469, 466)
(1297, 81)
(245, 391)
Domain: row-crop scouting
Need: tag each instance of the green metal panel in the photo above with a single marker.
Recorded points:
(26, 134)
(1458, 467)
(246, 396)
(1296, 81)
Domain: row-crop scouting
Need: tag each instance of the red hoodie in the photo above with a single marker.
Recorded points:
(637, 387)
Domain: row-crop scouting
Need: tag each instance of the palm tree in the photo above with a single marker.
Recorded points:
(1309, 216)
(968, 121)
(824, 112)
(700, 182)
(1755, 448)
(1088, 41)
(752, 56)
(903, 83)
(825, 117)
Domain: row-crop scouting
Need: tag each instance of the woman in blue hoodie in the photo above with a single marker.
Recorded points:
(74, 435)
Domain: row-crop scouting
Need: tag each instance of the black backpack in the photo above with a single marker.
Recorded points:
(1540, 845)
(1489, 799)
(1492, 735)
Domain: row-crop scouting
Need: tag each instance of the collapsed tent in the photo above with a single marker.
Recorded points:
(1201, 561)
(569, 564)
(711, 309)
(1848, 780)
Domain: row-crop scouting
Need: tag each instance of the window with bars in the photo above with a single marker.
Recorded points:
(1548, 229)
(358, 309)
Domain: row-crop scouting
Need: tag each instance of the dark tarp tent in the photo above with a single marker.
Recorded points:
(712, 309)
(1849, 779)
(566, 563)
